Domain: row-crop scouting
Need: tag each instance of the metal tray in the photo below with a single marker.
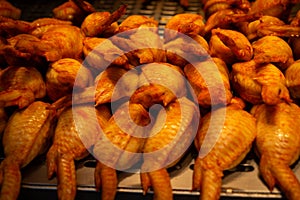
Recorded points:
(242, 182)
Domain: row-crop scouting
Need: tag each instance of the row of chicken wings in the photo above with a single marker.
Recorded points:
(82, 83)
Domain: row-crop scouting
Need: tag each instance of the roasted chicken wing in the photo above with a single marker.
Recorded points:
(210, 82)
(61, 76)
(273, 49)
(20, 86)
(116, 147)
(278, 145)
(257, 83)
(168, 140)
(75, 132)
(26, 135)
(224, 138)
(231, 46)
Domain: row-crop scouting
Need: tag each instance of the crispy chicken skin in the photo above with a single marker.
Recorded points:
(258, 83)
(26, 135)
(231, 135)
(20, 86)
(278, 145)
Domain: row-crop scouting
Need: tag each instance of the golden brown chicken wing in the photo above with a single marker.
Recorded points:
(73, 136)
(26, 136)
(278, 145)
(224, 138)
(185, 23)
(210, 82)
(54, 43)
(100, 53)
(61, 76)
(116, 148)
(168, 140)
(230, 45)
(273, 49)
(97, 23)
(20, 86)
(74, 11)
(257, 83)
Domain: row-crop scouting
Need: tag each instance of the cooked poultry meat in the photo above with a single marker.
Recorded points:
(280, 9)
(137, 21)
(56, 42)
(119, 150)
(169, 139)
(256, 29)
(229, 45)
(223, 140)
(75, 132)
(8, 10)
(26, 135)
(61, 76)
(292, 75)
(273, 49)
(159, 83)
(114, 83)
(97, 23)
(210, 82)
(186, 23)
(141, 45)
(71, 11)
(183, 49)
(20, 86)
(278, 145)
(101, 53)
(11, 27)
(212, 6)
(3, 120)
(227, 19)
(258, 83)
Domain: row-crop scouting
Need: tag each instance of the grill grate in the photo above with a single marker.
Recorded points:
(161, 10)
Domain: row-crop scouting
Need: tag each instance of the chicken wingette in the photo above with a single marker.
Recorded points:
(224, 138)
(26, 135)
(278, 145)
